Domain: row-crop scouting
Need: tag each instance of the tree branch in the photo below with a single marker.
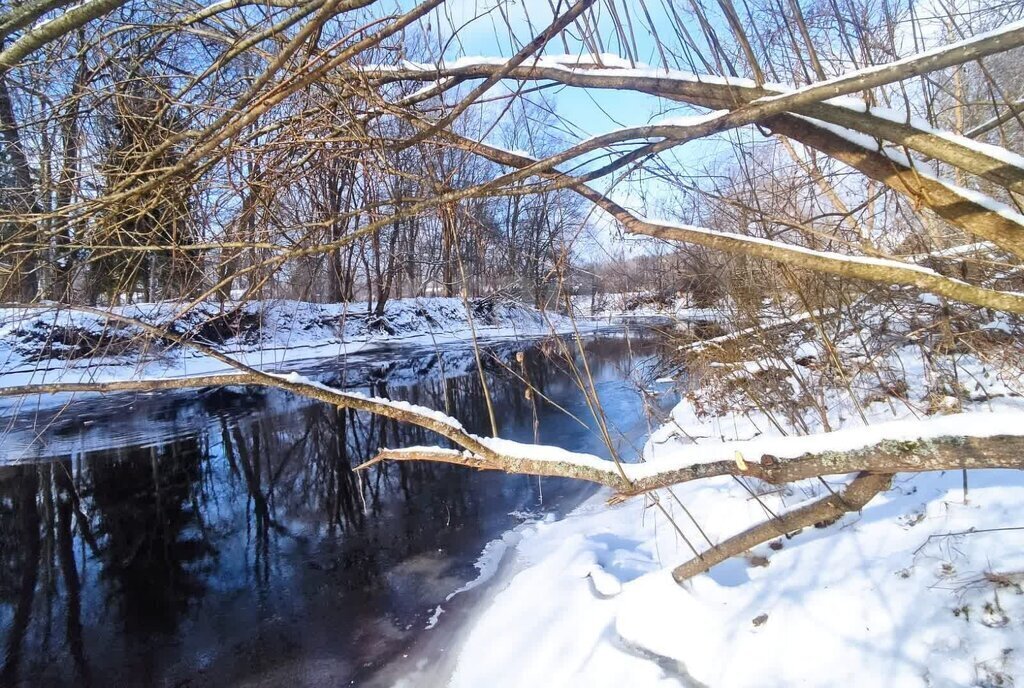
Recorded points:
(49, 31)
(876, 270)
(855, 497)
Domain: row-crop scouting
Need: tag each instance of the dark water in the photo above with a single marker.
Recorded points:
(221, 538)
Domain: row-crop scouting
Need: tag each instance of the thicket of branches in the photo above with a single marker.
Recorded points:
(838, 151)
(166, 151)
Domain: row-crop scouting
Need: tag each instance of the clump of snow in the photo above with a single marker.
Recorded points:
(434, 617)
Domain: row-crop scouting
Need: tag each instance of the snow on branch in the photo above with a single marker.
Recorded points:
(858, 267)
(750, 102)
(971, 211)
(961, 441)
(940, 57)
(52, 29)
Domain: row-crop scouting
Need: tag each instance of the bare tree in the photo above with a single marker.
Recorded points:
(332, 149)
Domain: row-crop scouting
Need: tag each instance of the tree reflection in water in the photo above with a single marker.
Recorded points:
(241, 541)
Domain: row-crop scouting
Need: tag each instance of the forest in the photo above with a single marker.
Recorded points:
(688, 329)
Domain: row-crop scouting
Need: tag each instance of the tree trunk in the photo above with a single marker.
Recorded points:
(24, 276)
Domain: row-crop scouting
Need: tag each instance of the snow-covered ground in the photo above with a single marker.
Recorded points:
(917, 590)
(924, 587)
(65, 345)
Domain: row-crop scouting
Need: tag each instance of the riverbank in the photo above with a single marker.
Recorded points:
(61, 344)
(922, 587)
(918, 590)
(617, 307)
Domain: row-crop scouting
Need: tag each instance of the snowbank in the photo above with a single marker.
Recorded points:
(642, 305)
(59, 344)
(918, 590)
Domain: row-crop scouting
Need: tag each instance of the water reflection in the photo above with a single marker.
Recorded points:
(233, 544)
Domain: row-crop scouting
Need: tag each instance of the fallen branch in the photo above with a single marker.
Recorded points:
(886, 456)
(943, 443)
(855, 497)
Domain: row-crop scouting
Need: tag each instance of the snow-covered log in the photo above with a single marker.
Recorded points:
(912, 448)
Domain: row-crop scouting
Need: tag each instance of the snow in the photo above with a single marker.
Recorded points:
(620, 305)
(974, 424)
(691, 120)
(535, 452)
(435, 617)
(923, 587)
(869, 143)
(918, 589)
(872, 609)
(792, 248)
(51, 344)
(982, 247)
(575, 65)
(487, 564)
(859, 74)
(873, 601)
(608, 60)
(999, 153)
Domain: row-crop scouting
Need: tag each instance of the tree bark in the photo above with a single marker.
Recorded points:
(25, 200)
(824, 511)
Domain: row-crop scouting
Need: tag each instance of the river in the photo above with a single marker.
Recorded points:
(220, 537)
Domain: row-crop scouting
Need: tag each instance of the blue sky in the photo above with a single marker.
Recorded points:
(481, 30)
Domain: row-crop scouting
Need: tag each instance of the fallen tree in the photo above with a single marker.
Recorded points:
(962, 442)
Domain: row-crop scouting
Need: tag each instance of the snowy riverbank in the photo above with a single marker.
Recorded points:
(643, 305)
(923, 587)
(47, 345)
(919, 589)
